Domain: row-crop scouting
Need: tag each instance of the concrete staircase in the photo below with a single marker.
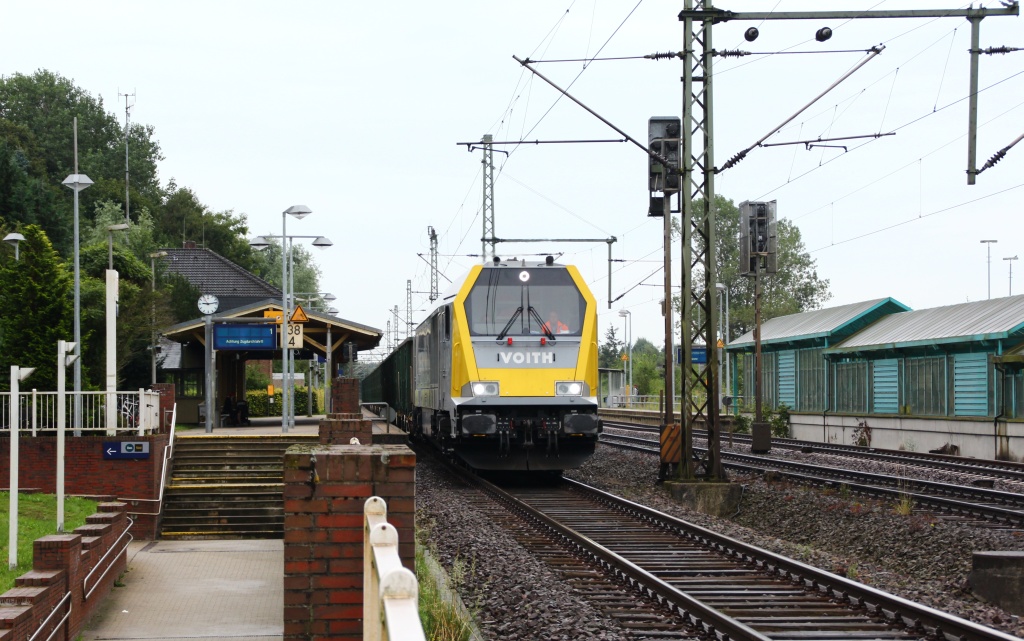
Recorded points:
(227, 487)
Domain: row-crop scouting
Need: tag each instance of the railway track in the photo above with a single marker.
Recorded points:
(661, 577)
(991, 507)
(985, 468)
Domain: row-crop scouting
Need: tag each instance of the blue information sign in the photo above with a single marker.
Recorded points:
(244, 336)
(125, 449)
(698, 355)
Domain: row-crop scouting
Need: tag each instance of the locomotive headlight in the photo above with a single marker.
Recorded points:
(485, 388)
(568, 388)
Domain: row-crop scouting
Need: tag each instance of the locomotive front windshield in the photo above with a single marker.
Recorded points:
(523, 302)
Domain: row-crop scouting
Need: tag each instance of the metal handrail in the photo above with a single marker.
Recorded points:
(164, 471)
(46, 621)
(85, 582)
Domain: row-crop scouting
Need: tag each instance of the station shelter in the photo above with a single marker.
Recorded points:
(252, 333)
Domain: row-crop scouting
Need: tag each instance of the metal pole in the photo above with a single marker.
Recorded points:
(988, 244)
(972, 110)
(61, 424)
(284, 321)
(291, 352)
(210, 400)
(670, 389)
(726, 338)
(152, 312)
(328, 404)
(757, 342)
(12, 536)
(78, 302)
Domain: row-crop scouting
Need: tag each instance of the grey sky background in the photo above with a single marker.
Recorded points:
(355, 109)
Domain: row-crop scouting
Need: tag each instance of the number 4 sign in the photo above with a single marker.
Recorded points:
(293, 339)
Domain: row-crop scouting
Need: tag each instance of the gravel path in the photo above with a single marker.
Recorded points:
(516, 596)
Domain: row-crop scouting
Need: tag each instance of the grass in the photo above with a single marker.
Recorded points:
(37, 517)
(441, 620)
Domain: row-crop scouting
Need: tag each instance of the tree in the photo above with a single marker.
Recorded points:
(35, 308)
(795, 288)
(609, 355)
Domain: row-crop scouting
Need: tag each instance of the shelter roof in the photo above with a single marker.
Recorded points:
(995, 319)
(831, 324)
(213, 274)
(342, 330)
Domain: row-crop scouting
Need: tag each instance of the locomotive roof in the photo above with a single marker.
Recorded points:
(513, 263)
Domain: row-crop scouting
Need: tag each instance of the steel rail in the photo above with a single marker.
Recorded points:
(707, 619)
(1010, 470)
(858, 482)
(914, 615)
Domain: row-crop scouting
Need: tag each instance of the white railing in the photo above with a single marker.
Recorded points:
(133, 411)
(165, 471)
(390, 591)
(103, 564)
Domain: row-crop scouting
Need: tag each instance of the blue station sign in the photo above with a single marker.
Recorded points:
(244, 336)
(698, 355)
(125, 449)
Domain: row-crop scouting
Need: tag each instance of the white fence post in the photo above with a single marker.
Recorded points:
(141, 417)
(34, 421)
(390, 591)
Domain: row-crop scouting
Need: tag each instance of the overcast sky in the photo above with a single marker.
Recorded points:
(355, 109)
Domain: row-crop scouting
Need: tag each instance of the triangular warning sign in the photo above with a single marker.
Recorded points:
(299, 316)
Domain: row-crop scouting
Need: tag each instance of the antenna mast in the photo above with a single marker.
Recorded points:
(488, 202)
(433, 263)
(127, 128)
(408, 308)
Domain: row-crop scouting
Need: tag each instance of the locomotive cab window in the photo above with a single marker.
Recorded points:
(524, 302)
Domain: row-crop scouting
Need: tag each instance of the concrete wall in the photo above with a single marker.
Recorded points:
(61, 563)
(980, 438)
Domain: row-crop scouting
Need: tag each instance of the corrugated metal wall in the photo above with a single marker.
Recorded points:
(885, 386)
(787, 378)
(970, 385)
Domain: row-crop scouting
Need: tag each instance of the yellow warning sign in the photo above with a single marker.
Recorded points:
(299, 316)
(625, 357)
(720, 344)
(273, 313)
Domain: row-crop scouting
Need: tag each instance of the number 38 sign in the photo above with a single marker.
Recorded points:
(292, 339)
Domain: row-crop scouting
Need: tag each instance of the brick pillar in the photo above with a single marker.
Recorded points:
(345, 395)
(166, 391)
(340, 429)
(323, 532)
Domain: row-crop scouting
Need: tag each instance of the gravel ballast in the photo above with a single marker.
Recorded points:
(516, 596)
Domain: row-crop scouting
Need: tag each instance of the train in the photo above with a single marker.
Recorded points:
(502, 372)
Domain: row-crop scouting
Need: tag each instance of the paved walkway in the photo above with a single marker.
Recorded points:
(228, 590)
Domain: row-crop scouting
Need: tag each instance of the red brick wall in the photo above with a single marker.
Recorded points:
(323, 532)
(340, 429)
(166, 391)
(61, 562)
(345, 395)
(86, 472)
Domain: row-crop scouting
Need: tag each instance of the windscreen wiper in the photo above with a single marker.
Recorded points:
(508, 325)
(543, 326)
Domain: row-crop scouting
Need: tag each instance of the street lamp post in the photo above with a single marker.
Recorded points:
(989, 244)
(77, 182)
(625, 313)
(110, 242)
(152, 311)
(723, 332)
(14, 238)
(1010, 260)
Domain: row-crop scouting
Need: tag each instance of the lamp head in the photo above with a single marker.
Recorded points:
(13, 238)
(25, 372)
(259, 242)
(159, 254)
(623, 313)
(330, 297)
(720, 287)
(117, 227)
(299, 211)
(322, 242)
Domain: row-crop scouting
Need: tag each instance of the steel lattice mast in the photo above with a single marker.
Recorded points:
(488, 198)
(700, 392)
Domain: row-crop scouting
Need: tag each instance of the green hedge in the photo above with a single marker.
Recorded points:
(258, 405)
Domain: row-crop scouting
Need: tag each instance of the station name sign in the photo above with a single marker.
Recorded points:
(243, 336)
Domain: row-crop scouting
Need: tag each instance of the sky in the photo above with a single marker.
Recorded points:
(355, 110)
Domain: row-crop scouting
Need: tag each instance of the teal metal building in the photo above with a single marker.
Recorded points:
(877, 372)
